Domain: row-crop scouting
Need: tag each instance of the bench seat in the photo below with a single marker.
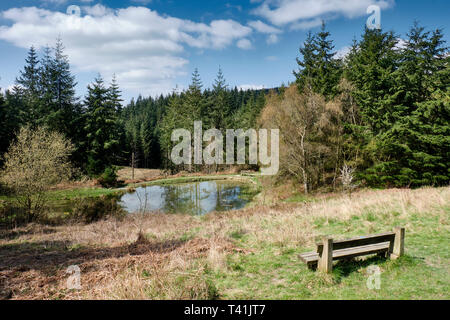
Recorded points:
(312, 258)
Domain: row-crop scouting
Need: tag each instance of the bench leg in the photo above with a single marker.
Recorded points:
(399, 243)
(326, 258)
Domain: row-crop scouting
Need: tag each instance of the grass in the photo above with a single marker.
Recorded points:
(246, 254)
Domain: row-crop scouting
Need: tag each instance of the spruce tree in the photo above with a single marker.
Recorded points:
(327, 71)
(307, 64)
(414, 151)
(220, 103)
(370, 69)
(115, 95)
(318, 70)
(29, 81)
(100, 127)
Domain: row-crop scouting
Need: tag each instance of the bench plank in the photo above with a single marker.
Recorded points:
(359, 241)
(312, 258)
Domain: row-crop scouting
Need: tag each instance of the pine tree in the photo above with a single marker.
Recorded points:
(58, 107)
(194, 104)
(414, 151)
(307, 68)
(101, 122)
(370, 69)
(220, 103)
(318, 70)
(115, 95)
(172, 120)
(146, 137)
(327, 72)
(29, 81)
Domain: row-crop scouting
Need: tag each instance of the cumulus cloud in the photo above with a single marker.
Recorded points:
(342, 53)
(244, 44)
(144, 49)
(303, 14)
(263, 27)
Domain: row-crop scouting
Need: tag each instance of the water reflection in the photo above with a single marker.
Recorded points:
(195, 198)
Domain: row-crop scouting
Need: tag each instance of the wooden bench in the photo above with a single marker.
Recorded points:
(390, 244)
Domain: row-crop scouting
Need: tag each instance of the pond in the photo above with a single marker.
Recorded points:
(196, 198)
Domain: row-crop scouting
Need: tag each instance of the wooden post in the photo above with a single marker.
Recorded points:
(132, 165)
(326, 258)
(399, 243)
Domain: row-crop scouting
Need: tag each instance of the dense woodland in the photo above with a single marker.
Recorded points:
(379, 115)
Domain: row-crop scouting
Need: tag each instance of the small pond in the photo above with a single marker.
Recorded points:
(196, 198)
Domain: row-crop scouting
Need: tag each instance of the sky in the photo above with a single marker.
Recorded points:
(153, 46)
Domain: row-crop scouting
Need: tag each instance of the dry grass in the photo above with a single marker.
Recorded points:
(174, 258)
(140, 175)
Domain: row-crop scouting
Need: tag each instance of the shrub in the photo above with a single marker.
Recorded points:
(35, 162)
(108, 179)
(90, 210)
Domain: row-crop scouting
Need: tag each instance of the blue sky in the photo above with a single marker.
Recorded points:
(153, 46)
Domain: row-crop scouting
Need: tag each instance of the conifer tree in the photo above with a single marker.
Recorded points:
(101, 120)
(115, 95)
(318, 70)
(327, 72)
(29, 82)
(307, 68)
(220, 104)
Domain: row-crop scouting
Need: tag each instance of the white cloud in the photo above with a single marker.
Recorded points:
(245, 87)
(306, 24)
(263, 27)
(342, 53)
(244, 44)
(271, 58)
(144, 49)
(8, 87)
(401, 44)
(97, 11)
(303, 14)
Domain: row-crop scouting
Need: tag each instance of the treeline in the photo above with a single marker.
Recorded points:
(103, 132)
(379, 115)
(149, 122)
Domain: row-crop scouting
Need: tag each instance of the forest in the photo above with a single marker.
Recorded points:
(379, 115)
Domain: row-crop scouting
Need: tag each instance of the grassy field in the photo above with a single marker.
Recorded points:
(246, 254)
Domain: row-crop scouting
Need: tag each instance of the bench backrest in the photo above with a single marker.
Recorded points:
(360, 241)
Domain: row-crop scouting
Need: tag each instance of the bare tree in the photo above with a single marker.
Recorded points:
(347, 178)
(36, 161)
(305, 121)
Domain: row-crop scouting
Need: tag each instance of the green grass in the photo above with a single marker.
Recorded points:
(275, 272)
(80, 193)
(180, 180)
(70, 194)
